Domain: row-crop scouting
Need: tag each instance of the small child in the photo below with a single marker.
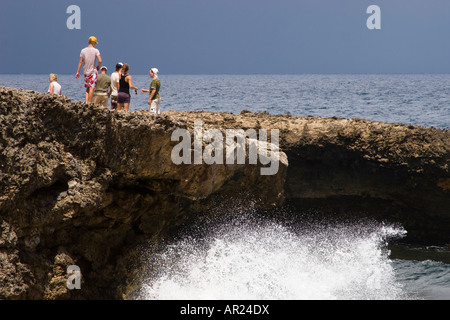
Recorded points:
(54, 86)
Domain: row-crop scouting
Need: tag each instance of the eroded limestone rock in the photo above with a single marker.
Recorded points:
(80, 184)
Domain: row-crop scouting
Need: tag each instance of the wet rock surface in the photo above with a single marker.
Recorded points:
(82, 185)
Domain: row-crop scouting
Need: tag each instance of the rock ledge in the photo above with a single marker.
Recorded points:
(81, 185)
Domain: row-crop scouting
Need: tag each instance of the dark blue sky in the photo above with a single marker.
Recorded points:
(229, 36)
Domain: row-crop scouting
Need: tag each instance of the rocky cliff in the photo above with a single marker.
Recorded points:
(82, 185)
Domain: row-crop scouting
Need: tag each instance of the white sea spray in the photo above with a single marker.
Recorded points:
(261, 261)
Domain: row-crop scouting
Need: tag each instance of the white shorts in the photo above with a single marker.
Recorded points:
(155, 106)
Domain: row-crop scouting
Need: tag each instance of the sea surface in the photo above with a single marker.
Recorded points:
(411, 99)
(247, 259)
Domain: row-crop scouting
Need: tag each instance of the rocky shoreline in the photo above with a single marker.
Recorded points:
(83, 185)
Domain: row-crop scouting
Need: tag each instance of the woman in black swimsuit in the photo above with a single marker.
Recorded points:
(125, 84)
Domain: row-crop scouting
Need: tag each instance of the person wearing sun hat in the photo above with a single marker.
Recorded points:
(154, 101)
(89, 56)
(103, 88)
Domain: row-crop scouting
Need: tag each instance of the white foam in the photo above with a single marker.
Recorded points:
(269, 261)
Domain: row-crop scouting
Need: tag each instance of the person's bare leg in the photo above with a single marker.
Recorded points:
(126, 106)
(119, 106)
(90, 95)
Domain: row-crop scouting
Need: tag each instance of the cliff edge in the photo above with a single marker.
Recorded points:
(81, 185)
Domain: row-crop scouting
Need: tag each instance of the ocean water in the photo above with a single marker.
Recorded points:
(248, 259)
(241, 257)
(411, 99)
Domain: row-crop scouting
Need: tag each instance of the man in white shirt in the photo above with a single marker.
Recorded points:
(115, 77)
(89, 56)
